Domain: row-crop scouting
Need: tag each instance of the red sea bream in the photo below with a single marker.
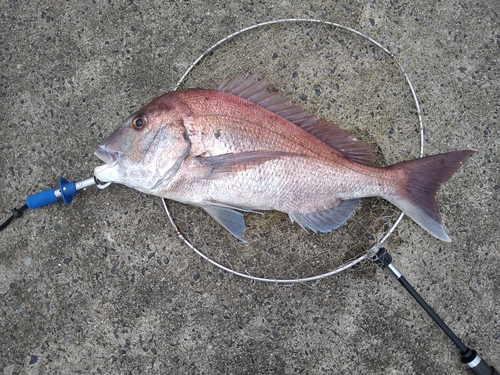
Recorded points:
(243, 148)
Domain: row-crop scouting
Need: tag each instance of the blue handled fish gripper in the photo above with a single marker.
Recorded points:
(66, 191)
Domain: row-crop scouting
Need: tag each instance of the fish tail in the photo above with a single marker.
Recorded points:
(417, 192)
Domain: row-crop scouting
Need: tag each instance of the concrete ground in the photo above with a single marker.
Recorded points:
(104, 286)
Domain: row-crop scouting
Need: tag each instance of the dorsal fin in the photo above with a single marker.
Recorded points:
(255, 91)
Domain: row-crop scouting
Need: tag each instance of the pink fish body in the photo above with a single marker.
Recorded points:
(242, 148)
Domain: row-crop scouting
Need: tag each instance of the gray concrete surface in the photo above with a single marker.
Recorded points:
(96, 287)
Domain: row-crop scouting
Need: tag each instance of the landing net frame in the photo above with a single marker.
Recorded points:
(370, 253)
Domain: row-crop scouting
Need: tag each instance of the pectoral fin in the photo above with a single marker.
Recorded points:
(325, 221)
(221, 165)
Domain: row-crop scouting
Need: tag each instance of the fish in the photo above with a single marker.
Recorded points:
(243, 148)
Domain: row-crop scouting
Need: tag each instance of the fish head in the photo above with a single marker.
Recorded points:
(147, 149)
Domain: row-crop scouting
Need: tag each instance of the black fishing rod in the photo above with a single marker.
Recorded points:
(469, 356)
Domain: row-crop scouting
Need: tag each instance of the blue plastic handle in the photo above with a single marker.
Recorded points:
(41, 199)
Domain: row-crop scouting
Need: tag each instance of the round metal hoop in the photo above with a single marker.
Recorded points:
(373, 249)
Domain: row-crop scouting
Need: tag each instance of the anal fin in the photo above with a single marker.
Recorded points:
(327, 220)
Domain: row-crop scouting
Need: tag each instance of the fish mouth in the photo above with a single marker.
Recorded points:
(108, 156)
(107, 172)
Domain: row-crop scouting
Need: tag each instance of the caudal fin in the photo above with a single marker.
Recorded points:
(422, 178)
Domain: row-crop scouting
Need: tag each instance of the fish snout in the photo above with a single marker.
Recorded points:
(108, 172)
(108, 156)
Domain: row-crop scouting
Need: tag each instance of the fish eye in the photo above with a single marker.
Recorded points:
(139, 122)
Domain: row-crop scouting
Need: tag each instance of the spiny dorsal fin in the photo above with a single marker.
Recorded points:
(255, 91)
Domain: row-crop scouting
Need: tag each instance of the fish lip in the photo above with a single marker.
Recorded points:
(110, 157)
(106, 172)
